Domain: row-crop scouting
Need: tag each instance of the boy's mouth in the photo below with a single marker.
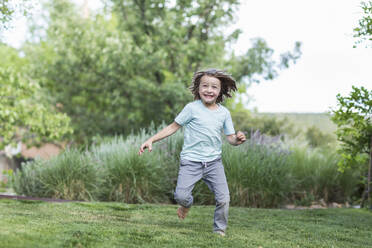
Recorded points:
(208, 96)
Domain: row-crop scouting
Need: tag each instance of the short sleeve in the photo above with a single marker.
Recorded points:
(184, 116)
(228, 127)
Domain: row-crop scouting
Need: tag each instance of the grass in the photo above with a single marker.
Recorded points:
(112, 224)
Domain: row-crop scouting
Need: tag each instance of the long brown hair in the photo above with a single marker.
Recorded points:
(228, 84)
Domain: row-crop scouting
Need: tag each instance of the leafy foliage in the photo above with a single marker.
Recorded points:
(10, 8)
(25, 113)
(354, 120)
(118, 71)
(10, 58)
(258, 63)
(364, 30)
(5, 11)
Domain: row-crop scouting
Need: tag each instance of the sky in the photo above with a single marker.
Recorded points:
(329, 64)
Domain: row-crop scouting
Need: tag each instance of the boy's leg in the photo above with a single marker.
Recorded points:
(214, 176)
(189, 174)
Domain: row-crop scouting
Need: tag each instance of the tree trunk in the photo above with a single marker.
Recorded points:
(367, 192)
(369, 173)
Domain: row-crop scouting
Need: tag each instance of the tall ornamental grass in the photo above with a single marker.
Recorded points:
(128, 177)
(71, 175)
(258, 176)
(316, 176)
(262, 172)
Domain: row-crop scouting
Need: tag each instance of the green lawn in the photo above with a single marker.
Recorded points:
(41, 224)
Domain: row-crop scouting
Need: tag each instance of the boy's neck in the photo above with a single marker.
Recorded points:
(211, 106)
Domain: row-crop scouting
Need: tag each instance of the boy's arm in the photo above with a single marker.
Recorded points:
(165, 132)
(236, 139)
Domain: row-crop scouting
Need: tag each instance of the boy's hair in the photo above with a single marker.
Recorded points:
(228, 84)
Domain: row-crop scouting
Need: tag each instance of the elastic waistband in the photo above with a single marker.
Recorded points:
(214, 160)
(203, 163)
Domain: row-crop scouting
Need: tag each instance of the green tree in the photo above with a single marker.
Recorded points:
(10, 9)
(364, 31)
(354, 120)
(5, 12)
(24, 112)
(258, 62)
(118, 71)
(10, 58)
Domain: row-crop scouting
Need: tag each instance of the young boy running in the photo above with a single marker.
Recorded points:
(203, 119)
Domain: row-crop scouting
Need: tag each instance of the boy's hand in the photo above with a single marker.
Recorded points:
(147, 144)
(240, 138)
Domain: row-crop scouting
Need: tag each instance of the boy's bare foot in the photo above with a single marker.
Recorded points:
(182, 212)
(220, 233)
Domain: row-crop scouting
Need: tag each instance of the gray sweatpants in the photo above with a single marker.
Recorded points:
(213, 175)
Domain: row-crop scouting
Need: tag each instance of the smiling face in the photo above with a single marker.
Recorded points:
(209, 89)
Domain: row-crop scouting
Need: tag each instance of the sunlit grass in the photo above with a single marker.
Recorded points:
(93, 224)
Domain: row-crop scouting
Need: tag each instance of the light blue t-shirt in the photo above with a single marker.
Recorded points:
(203, 127)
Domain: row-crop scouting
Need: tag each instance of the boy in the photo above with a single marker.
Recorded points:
(203, 120)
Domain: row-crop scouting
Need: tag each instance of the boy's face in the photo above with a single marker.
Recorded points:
(209, 89)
